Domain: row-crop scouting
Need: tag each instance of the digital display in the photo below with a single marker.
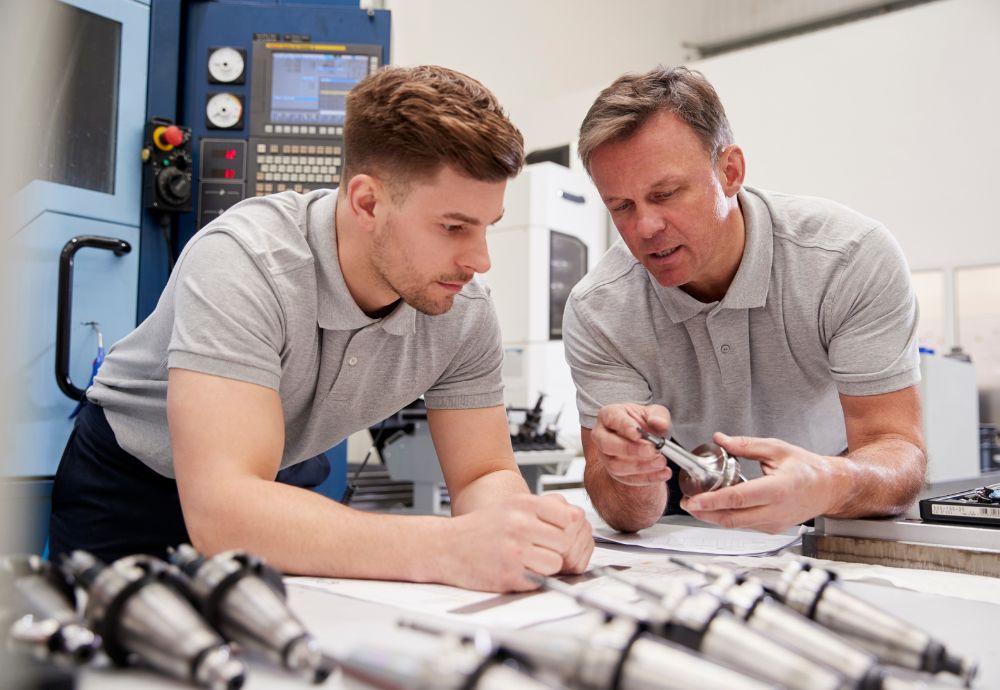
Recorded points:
(222, 159)
(311, 88)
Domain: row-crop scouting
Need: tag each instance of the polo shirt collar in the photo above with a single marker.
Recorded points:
(750, 284)
(336, 309)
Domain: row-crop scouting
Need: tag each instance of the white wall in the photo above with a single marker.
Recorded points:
(530, 52)
(895, 116)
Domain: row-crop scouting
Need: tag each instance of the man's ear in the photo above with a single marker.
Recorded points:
(365, 193)
(732, 169)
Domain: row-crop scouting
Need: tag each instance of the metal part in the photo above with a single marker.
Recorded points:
(139, 607)
(245, 600)
(454, 665)
(616, 655)
(699, 621)
(707, 468)
(758, 605)
(811, 591)
(48, 626)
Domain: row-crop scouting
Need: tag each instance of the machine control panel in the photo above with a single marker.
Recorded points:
(166, 174)
(293, 115)
(297, 106)
(223, 170)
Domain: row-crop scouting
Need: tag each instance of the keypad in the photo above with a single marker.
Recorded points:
(298, 167)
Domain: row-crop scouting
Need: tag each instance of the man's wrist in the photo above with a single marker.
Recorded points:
(837, 484)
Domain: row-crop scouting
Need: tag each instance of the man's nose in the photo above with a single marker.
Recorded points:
(649, 223)
(476, 257)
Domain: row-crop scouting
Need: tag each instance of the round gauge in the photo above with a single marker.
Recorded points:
(224, 110)
(225, 65)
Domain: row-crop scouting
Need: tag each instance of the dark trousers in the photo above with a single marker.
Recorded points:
(674, 494)
(107, 502)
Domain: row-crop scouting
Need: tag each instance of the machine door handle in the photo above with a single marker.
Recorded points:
(570, 196)
(64, 310)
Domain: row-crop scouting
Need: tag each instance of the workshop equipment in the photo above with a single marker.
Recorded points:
(245, 599)
(553, 232)
(454, 665)
(707, 468)
(751, 600)
(904, 542)
(42, 618)
(699, 621)
(978, 506)
(616, 655)
(812, 592)
(138, 606)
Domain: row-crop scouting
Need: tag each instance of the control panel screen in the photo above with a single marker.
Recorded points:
(311, 88)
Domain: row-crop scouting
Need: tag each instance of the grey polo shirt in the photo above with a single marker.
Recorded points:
(258, 296)
(821, 304)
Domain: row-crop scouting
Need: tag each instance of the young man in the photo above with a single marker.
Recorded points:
(726, 308)
(295, 320)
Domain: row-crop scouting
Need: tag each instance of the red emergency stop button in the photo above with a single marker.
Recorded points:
(166, 138)
(174, 136)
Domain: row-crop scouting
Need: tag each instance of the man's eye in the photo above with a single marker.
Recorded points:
(624, 206)
(453, 228)
(661, 196)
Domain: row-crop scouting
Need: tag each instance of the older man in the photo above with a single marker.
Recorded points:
(788, 323)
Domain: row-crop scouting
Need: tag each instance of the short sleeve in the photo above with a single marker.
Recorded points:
(601, 374)
(475, 377)
(870, 320)
(227, 318)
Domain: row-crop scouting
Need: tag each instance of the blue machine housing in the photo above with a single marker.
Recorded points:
(161, 72)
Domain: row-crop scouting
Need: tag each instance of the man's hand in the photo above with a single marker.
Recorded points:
(620, 449)
(493, 548)
(797, 485)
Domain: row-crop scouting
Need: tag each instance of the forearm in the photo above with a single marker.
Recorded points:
(626, 508)
(880, 478)
(302, 532)
(492, 487)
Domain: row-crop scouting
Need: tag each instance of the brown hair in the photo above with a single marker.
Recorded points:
(406, 122)
(624, 107)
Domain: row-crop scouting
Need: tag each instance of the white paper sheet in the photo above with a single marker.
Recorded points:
(704, 540)
(468, 607)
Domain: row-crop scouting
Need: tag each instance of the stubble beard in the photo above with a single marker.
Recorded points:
(401, 276)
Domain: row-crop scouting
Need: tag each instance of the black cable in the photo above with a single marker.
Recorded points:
(352, 485)
(165, 227)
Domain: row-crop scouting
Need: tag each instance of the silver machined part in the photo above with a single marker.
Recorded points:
(51, 628)
(500, 677)
(44, 593)
(247, 603)
(707, 468)
(809, 591)
(47, 639)
(219, 670)
(561, 655)
(813, 641)
(450, 667)
(153, 622)
(725, 638)
(606, 647)
(724, 468)
(925, 683)
(750, 601)
(656, 664)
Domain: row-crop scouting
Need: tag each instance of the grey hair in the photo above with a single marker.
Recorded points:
(632, 99)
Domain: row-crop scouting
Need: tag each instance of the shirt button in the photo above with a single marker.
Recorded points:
(354, 360)
(725, 349)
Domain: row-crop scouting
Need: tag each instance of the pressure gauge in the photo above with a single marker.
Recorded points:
(225, 65)
(224, 111)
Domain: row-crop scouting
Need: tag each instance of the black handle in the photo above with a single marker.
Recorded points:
(64, 310)
(570, 196)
